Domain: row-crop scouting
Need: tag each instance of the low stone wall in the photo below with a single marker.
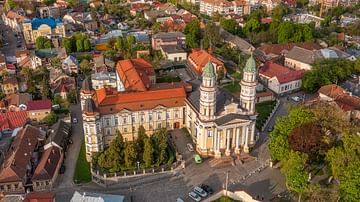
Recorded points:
(271, 115)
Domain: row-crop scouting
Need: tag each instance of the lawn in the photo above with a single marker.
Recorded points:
(225, 199)
(167, 79)
(233, 87)
(263, 109)
(82, 171)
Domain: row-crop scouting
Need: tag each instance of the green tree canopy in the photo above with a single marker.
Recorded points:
(42, 42)
(130, 155)
(211, 35)
(192, 33)
(148, 152)
(231, 26)
(50, 119)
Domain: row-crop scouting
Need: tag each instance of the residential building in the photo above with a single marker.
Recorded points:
(49, 11)
(17, 102)
(10, 85)
(328, 4)
(39, 109)
(224, 7)
(39, 196)
(103, 79)
(47, 27)
(198, 58)
(236, 42)
(281, 80)
(9, 121)
(63, 87)
(218, 122)
(47, 170)
(21, 55)
(20, 160)
(14, 19)
(70, 65)
(169, 38)
(173, 52)
(59, 135)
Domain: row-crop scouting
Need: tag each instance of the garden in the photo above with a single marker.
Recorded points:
(263, 109)
(82, 171)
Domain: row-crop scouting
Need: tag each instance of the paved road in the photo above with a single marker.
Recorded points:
(10, 38)
(66, 180)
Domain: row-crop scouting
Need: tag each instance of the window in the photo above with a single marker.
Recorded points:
(124, 120)
(116, 121)
(125, 130)
(16, 186)
(1, 187)
(47, 182)
(159, 125)
(176, 114)
(209, 134)
(150, 126)
(167, 115)
(167, 124)
(141, 118)
(108, 131)
(107, 122)
(150, 117)
(9, 187)
(133, 119)
(159, 116)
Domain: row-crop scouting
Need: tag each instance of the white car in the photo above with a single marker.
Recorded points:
(296, 98)
(190, 147)
(194, 196)
(200, 191)
(179, 200)
(75, 120)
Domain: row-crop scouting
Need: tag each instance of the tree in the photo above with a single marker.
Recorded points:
(40, 42)
(87, 45)
(79, 46)
(130, 155)
(278, 13)
(192, 33)
(71, 96)
(211, 35)
(156, 27)
(120, 44)
(45, 88)
(252, 25)
(285, 32)
(55, 62)
(85, 67)
(141, 136)
(10, 4)
(113, 157)
(50, 119)
(295, 173)
(344, 161)
(48, 44)
(67, 43)
(231, 26)
(148, 152)
(279, 145)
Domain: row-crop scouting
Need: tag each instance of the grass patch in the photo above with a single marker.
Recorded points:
(263, 109)
(225, 199)
(167, 79)
(82, 171)
(236, 76)
(233, 87)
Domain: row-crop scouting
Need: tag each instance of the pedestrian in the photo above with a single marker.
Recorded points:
(262, 197)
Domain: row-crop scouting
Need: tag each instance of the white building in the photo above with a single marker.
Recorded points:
(101, 79)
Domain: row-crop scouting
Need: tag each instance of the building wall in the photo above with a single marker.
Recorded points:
(175, 56)
(98, 84)
(296, 64)
(38, 115)
(30, 35)
(10, 88)
(278, 88)
(14, 187)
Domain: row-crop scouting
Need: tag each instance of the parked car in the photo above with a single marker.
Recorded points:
(207, 188)
(194, 196)
(200, 191)
(6, 44)
(62, 169)
(354, 76)
(74, 120)
(197, 158)
(296, 98)
(190, 147)
(270, 128)
(179, 200)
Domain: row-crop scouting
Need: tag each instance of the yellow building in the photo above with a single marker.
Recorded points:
(42, 27)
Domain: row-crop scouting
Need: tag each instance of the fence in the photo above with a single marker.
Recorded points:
(105, 179)
(271, 115)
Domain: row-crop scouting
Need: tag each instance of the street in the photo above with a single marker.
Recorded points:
(9, 37)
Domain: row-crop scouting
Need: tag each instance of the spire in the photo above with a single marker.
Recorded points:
(250, 65)
(209, 70)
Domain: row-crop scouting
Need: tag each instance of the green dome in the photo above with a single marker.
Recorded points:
(209, 70)
(250, 65)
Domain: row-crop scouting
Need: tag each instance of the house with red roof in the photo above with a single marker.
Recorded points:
(38, 109)
(198, 58)
(40, 197)
(281, 80)
(9, 121)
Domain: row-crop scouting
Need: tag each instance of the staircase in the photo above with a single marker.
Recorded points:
(221, 162)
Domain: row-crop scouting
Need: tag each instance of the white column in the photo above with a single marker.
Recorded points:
(227, 151)
(205, 140)
(243, 135)
(246, 146)
(252, 139)
(214, 140)
(217, 145)
(237, 140)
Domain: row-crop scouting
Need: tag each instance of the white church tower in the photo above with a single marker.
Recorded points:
(208, 93)
(248, 86)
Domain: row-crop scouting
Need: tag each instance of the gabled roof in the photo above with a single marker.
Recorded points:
(283, 74)
(332, 90)
(168, 35)
(277, 49)
(71, 60)
(19, 155)
(46, 168)
(39, 105)
(303, 55)
(134, 74)
(201, 58)
(39, 197)
(18, 99)
(12, 120)
(60, 133)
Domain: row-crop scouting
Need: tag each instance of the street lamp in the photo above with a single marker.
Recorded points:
(226, 182)
(138, 164)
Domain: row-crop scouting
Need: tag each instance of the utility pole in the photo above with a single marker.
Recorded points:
(226, 182)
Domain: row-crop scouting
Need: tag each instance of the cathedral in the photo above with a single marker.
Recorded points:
(220, 123)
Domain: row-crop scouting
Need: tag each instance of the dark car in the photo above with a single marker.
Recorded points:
(207, 188)
(62, 169)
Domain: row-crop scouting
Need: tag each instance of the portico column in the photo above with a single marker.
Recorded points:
(246, 146)
(252, 133)
(237, 149)
(227, 151)
(217, 145)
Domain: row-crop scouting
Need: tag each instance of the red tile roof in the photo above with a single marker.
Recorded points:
(11, 80)
(332, 90)
(267, 20)
(134, 73)
(12, 120)
(39, 197)
(19, 155)
(168, 95)
(46, 169)
(201, 58)
(283, 74)
(345, 101)
(39, 105)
